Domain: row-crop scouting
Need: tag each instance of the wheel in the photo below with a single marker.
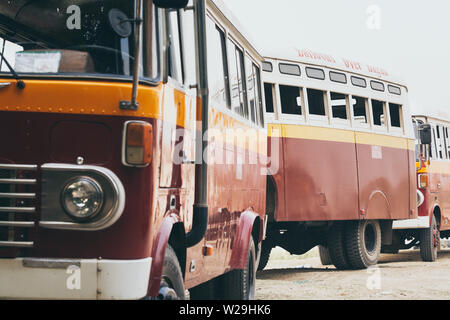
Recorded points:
(336, 248)
(325, 258)
(240, 284)
(266, 249)
(363, 243)
(172, 284)
(430, 242)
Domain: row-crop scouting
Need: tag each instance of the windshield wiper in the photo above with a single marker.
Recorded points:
(20, 83)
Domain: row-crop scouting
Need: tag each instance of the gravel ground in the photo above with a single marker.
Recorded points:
(397, 277)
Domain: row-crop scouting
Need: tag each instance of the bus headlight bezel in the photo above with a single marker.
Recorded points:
(57, 177)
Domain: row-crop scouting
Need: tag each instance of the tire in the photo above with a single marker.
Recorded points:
(336, 247)
(325, 258)
(240, 284)
(363, 243)
(266, 249)
(429, 242)
(172, 283)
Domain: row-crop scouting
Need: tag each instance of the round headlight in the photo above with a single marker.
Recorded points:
(82, 198)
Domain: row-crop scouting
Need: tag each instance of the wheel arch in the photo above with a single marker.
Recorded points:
(250, 225)
(171, 232)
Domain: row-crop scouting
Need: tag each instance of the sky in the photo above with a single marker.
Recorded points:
(409, 38)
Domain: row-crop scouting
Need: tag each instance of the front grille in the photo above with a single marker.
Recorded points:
(18, 189)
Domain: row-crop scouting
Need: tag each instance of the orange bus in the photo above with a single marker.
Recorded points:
(112, 117)
(433, 190)
(347, 165)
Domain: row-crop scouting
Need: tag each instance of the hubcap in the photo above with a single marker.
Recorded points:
(166, 292)
(370, 238)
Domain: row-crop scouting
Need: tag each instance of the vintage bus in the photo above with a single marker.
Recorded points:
(433, 189)
(113, 117)
(346, 167)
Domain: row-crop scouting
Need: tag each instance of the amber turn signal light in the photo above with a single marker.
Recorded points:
(423, 181)
(137, 144)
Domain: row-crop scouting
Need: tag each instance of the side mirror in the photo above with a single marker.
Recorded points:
(425, 134)
(170, 4)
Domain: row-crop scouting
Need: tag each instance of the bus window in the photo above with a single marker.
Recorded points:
(8, 49)
(338, 77)
(394, 90)
(188, 42)
(291, 100)
(236, 61)
(250, 88)
(268, 93)
(434, 145)
(258, 95)
(445, 136)
(316, 102)
(378, 113)
(216, 72)
(439, 144)
(267, 66)
(359, 82)
(360, 110)
(315, 73)
(339, 105)
(175, 60)
(290, 69)
(378, 86)
(395, 114)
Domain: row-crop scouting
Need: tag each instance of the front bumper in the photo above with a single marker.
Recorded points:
(419, 223)
(29, 278)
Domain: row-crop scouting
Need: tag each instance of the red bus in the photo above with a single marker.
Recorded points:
(347, 165)
(112, 116)
(433, 190)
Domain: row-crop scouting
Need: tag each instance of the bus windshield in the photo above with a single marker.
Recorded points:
(77, 36)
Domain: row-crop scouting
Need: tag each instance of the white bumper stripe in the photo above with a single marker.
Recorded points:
(419, 223)
(74, 279)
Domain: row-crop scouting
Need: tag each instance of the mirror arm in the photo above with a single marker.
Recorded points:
(133, 104)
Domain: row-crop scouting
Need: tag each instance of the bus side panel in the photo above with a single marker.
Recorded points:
(439, 174)
(320, 180)
(383, 181)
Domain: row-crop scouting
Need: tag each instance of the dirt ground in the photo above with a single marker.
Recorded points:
(397, 277)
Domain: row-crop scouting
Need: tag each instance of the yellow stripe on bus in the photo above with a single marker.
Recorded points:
(338, 135)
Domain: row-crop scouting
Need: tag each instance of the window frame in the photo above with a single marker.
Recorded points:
(376, 127)
(355, 123)
(316, 118)
(401, 118)
(340, 121)
(144, 79)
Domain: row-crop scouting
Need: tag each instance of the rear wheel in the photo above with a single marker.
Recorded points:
(336, 247)
(325, 258)
(172, 284)
(363, 243)
(430, 242)
(240, 284)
